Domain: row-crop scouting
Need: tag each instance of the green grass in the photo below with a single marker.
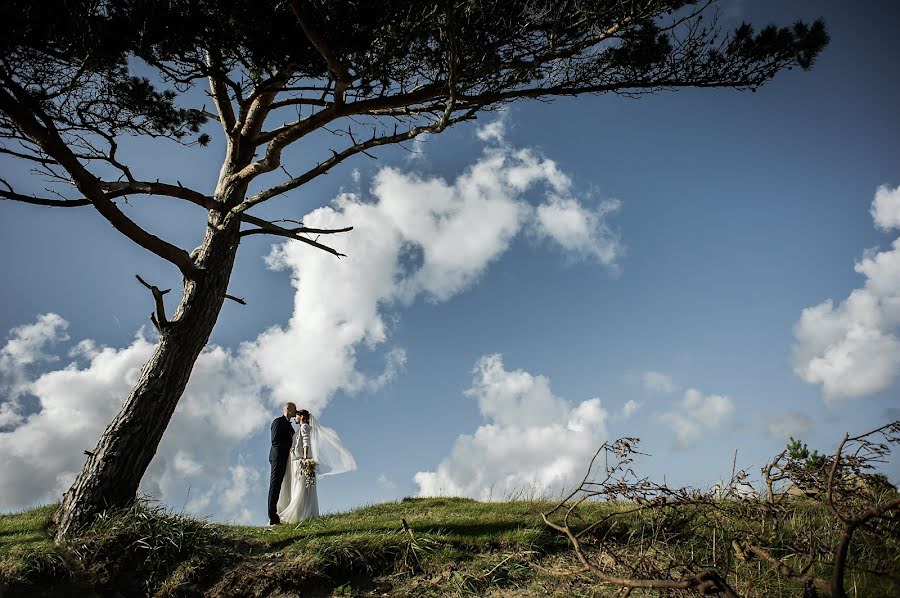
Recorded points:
(458, 547)
(25, 530)
(26, 549)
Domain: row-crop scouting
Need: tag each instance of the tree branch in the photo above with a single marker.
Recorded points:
(786, 571)
(614, 484)
(22, 110)
(160, 322)
(41, 201)
(287, 134)
(335, 64)
(269, 228)
(220, 96)
(23, 156)
(339, 157)
(118, 189)
(115, 190)
(236, 299)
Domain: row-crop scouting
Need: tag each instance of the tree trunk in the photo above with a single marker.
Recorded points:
(111, 476)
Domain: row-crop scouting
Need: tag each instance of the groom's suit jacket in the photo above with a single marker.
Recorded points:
(282, 436)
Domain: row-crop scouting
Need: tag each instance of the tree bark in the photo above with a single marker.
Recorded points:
(112, 474)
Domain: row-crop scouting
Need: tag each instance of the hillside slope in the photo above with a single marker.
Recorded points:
(452, 546)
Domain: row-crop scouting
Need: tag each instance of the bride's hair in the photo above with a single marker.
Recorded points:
(303, 413)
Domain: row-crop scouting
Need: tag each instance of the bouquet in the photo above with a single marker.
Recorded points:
(308, 471)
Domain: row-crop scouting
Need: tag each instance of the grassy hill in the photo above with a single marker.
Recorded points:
(452, 547)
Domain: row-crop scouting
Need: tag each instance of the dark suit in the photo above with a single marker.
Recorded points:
(282, 436)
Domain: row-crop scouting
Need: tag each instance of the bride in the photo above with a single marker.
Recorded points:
(316, 451)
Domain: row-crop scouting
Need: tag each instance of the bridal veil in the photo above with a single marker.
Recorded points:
(329, 451)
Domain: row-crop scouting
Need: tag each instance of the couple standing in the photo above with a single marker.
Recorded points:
(296, 458)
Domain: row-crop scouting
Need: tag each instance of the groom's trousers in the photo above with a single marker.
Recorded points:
(278, 467)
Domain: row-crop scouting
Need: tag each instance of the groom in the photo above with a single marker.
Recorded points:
(282, 435)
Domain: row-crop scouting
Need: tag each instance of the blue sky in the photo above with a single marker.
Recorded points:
(517, 291)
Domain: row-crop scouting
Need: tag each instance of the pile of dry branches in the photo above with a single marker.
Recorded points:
(800, 525)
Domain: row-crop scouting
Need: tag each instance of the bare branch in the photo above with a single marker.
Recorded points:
(269, 228)
(118, 189)
(786, 571)
(236, 299)
(39, 159)
(160, 322)
(10, 194)
(616, 483)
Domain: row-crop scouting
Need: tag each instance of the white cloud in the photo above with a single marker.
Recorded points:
(658, 382)
(534, 444)
(695, 414)
(26, 347)
(584, 233)
(27, 342)
(234, 495)
(885, 208)
(513, 398)
(42, 456)
(385, 482)
(786, 425)
(221, 406)
(417, 152)
(415, 237)
(459, 228)
(852, 349)
(493, 131)
(628, 410)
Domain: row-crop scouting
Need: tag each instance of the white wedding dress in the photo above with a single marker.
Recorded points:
(296, 501)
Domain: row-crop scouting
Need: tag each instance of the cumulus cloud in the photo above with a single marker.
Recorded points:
(533, 444)
(658, 382)
(852, 349)
(42, 456)
(25, 348)
(415, 237)
(885, 208)
(786, 425)
(695, 414)
(581, 231)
